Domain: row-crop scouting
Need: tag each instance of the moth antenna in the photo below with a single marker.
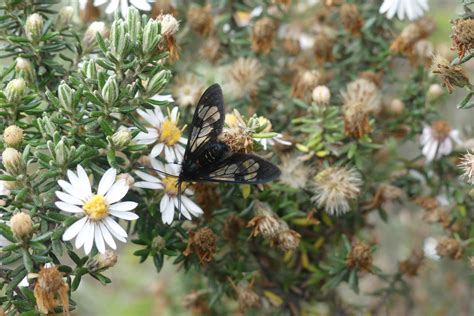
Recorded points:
(161, 172)
(179, 198)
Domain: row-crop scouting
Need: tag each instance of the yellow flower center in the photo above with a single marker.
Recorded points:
(170, 184)
(96, 208)
(169, 133)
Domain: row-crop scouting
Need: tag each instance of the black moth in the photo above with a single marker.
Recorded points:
(206, 159)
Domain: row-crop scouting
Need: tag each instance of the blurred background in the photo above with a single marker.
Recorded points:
(137, 289)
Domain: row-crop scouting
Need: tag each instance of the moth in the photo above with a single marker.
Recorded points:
(206, 159)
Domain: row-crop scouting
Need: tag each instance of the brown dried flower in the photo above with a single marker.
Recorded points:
(463, 36)
(287, 239)
(411, 265)
(304, 83)
(51, 290)
(232, 227)
(207, 197)
(197, 302)
(90, 13)
(322, 48)
(246, 295)
(263, 34)
(360, 256)
(210, 49)
(449, 247)
(351, 18)
(200, 20)
(245, 76)
(411, 34)
(451, 75)
(202, 243)
(22, 226)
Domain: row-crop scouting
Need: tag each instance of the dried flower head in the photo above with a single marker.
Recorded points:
(210, 49)
(411, 265)
(102, 261)
(202, 243)
(263, 34)
(197, 302)
(238, 139)
(89, 12)
(304, 83)
(265, 222)
(334, 187)
(291, 45)
(467, 166)
(450, 75)
(411, 34)
(200, 20)
(206, 196)
(427, 202)
(360, 256)
(449, 247)
(22, 226)
(163, 7)
(322, 48)
(245, 76)
(287, 239)
(246, 295)
(422, 53)
(351, 18)
(463, 36)
(232, 227)
(294, 172)
(187, 89)
(51, 290)
(13, 136)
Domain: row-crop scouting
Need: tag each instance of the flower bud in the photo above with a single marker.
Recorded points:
(89, 39)
(169, 24)
(15, 90)
(158, 243)
(134, 24)
(396, 106)
(360, 256)
(151, 36)
(118, 38)
(288, 240)
(435, 91)
(110, 91)
(25, 69)
(102, 261)
(65, 16)
(61, 152)
(34, 27)
(13, 162)
(158, 81)
(66, 95)
(22, 226)
(121, 138)
(321, 95)
(13, 136)
(449, 247)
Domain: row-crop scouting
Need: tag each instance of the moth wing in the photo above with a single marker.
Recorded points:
(242, 169)
(208, 120)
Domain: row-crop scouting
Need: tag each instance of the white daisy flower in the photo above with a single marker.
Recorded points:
(164, 133)
(437, 140)
(429, 248)
(169, 201)
(97, 224)
(113, 5)
(412, 9)
(278, 138)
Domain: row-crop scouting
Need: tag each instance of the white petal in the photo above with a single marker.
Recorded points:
(157, 149)
(150, 117)
(147, 177)
(66, 207)
(107, 236)
(99, 240)
(129, 216)
(115, 228)
(67, 198)
(191, 206)
(157, 165)
(141, 4)
(124, 8)
(169, 154)
(89, 239)
(76, 185)
(148, 185)
(112, 7)
(85, 183)
(165, 98)
(123, 206)
(174, 114)
(118, 190)
(182, 210)
(74, 229)
(67, 187)
(167, 210)
(106, 182)
(81, 237)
